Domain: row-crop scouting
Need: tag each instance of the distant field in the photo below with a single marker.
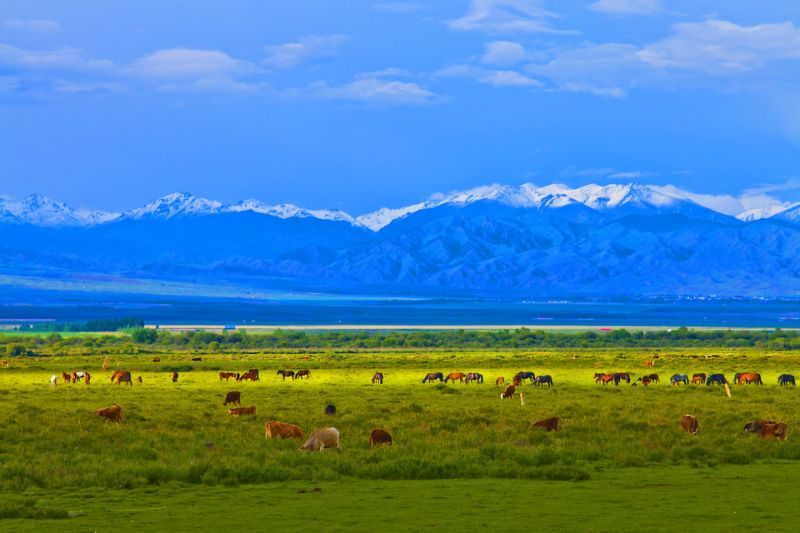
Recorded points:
(453, 443)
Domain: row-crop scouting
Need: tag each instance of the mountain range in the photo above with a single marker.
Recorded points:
(596, 240)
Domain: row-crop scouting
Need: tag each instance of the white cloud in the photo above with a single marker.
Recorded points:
(309, 49)
(503, 53)
(399, 7)
(495, 78)
(627, 7)
(374, 90)
(506, 16)
(63, 58)
(718, 46)
(746, 204)
(189, 63)
(33, 25)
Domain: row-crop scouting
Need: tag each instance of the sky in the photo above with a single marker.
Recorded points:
(355, 105)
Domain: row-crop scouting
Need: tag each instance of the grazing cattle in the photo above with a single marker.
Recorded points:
(677, 379)
(377, 378)
(197, 358)
(755, 426)
(246, 376)
(156, 359)
(500, 381)
(227, 375)
(66, 377)
(121, 376)
(174, 377)
(689, 424)
(379, 437)
(473, 376)
(113, 413)
(522, 376)
(508, 392)
(698, 379)
(330, 410)
(605, 379)
(302, 374)
(750, 377)
(139, 379)
(238, 411)
(322, 438)
(716, 379)
(778, 430)
(433, 376)
(455, 376)
(53, 380)
(621, 376)
(282, 430)
(786, 379)
(233, 397)
(649, 364)
(541, 380)
(549, 424)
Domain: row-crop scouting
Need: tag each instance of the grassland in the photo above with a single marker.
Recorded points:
(458, 448)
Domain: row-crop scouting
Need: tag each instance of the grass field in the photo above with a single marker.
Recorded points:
(459, 450)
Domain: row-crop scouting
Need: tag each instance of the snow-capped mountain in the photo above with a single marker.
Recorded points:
(289, 211)
(792, 214)
(176, 204)
(764, 212)
(39, 210)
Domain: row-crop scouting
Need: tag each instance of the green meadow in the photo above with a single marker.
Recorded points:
(462, 457)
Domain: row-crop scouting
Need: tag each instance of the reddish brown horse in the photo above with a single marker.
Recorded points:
(750, 377)
(605, 379)
(302, 374)
(455, 376)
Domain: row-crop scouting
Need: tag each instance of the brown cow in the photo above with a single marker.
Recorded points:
(282, 430)
(233, 397)
(508, 392)
(775, 431)
(689, 424)
(322, 438)
(237, 411)
(113, 413)
(500, 381)
(549, 424)
(755, 426)
(379, 437)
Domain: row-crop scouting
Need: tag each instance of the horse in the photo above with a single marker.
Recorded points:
(645, 381)
(750, 377)
(378, 377)
(716, 379)
(53, 380)
(541, 380)
(500, 381)
(286, 374)
(253, 374)
(77, 376)
(653, 378)
(508, 392)
(246, 376)
(621, 376)
(455, 376)
(736, 378)
(121, 376)
(786, 379)
(649, 364)
(66, 377)
(174, 377)
(433, 376)
(605, 379)
(474, 376)
(677, 379)
(302, 374)
(227, 375)
(698, 378)
(87, 378)
(523, 375)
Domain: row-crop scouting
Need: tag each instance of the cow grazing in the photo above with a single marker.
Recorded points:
(786, 379)
(500, 381)
(549, 424)
(779, 430)
(543, 379)
(322, 438)
(508, 392)
(113, 413)
(233, 397)
(238, 411)
(302, 374)
(689, 424)
(282, 430)
(433, 376)
(379, 437)
(330, 410)
(377, 378)
(698, 379)
(716, 379)
(174, 377)
(455, 376)
(755, 426)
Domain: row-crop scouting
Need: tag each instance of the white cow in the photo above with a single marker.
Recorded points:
(322, 438)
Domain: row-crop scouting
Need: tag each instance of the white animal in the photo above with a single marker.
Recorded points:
(322, 438)
(53, 380)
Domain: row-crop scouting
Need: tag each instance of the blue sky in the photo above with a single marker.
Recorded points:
(355, 105)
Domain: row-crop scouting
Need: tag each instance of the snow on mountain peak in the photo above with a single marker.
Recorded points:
(177, 204)
(289, 211)
(40, 210)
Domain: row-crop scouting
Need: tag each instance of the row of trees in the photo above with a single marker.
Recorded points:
(521, 338)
